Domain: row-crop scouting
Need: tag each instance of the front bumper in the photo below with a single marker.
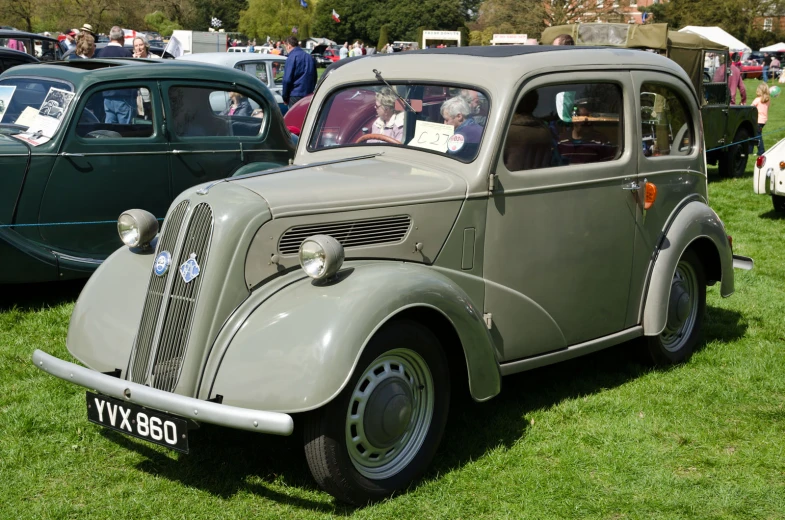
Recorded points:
(187, 407)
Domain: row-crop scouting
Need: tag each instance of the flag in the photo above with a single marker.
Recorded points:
(303, 3)
(336, 17)
(215, 22)
(294, 30)
(174, 47)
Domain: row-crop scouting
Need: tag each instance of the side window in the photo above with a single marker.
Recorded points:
(259, 70)
(665, 122)
(715, 78)
(563, 125)
(278, 69)
(209, 112)
(117, 113)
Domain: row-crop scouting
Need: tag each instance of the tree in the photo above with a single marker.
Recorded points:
(384, 38)
(512, 16)
(273, 18)
(363, 19)
(16, 11)
(158, 22)
(228, 11)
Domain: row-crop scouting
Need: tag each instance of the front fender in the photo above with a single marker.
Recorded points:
(295, 349)
(696, 225)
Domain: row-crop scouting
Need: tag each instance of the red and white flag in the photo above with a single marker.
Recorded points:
(336, 17)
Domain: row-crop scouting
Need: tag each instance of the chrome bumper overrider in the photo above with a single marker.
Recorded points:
(188, 407)
(742, 262)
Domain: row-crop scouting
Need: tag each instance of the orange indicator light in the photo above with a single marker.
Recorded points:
(651, 195)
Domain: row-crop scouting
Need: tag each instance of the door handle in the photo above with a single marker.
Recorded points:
(631, 186)
(66, 154)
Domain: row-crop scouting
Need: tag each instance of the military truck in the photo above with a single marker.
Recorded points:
(727, 128)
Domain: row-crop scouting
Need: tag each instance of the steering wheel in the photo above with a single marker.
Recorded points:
(380, 137)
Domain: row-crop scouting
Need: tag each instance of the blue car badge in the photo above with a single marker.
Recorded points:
(162, 262)
(190, 269)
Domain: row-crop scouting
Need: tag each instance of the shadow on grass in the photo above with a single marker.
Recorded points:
(773, 215)
(36, 296)
(225, 462)
(723, 325)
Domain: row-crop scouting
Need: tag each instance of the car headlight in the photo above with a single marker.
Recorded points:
(137, 228)
(321, 256)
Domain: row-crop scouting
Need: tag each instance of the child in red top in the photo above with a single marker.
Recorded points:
(762, 102)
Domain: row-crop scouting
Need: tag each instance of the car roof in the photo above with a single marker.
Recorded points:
(5, 33)
(229, 59)
(12, 53)
(82, 73)
(502, 62)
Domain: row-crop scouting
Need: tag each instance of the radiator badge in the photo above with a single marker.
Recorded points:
(162, 262)
(190, 269)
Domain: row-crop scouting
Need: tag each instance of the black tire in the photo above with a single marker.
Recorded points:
(342, 438)
(686, 310)
(779, 203)
(733, 163)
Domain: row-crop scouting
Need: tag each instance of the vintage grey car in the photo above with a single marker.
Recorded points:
(430, 237)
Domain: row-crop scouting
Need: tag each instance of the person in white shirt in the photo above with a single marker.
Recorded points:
(344, 51)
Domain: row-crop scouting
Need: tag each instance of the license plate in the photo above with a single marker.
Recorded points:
(143, 423)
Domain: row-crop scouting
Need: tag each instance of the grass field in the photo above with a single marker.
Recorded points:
(598, 437)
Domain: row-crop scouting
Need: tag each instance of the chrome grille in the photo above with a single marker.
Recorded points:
(155, 292)
(182, 301)
(352, 233)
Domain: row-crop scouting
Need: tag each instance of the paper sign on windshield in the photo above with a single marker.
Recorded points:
(6, 93)
(49, 117)
(432, 136)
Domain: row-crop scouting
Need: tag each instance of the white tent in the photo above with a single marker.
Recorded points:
(777, 47)
(717, 35)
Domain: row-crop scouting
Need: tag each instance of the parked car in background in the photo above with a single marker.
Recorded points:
(158, 50)
(412, 253)
(267, 68)
(325, 55)
(769, 175)
(68, 172)
(44, 48)
(11, 58)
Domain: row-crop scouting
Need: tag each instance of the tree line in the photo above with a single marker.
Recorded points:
(369, 20)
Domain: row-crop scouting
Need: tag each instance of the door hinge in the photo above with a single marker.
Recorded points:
(492, 182)
(488, 317)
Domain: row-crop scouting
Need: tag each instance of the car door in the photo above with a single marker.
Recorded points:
(104, 167)
(208, 139)
(561, 219)
(716, 97)
(671, 149)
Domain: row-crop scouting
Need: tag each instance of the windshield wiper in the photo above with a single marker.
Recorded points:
(12, 129)
(406, 103)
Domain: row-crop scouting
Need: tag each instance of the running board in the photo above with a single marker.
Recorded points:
(513, 367)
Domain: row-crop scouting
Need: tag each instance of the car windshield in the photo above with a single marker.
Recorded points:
(33, 104)
(445, 119)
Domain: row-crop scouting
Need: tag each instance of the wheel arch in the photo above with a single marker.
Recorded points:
(302, 343)
(698, 228)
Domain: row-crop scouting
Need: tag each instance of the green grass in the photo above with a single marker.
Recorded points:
(598, 437)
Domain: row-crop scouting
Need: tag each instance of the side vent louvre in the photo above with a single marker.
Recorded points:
(352, 233)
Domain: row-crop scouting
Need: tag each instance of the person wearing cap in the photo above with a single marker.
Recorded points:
(70, 41)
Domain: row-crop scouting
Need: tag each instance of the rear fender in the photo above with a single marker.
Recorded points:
(695, 226)
(294, 347)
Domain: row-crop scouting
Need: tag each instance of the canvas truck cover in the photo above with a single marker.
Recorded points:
(686, 49)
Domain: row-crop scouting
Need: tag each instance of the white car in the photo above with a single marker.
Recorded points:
(769, 175)
(268, 68)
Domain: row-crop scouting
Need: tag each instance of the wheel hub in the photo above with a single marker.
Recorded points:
(388, 413)
(678, 306)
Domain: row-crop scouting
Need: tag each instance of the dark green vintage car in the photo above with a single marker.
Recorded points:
(82, 141)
